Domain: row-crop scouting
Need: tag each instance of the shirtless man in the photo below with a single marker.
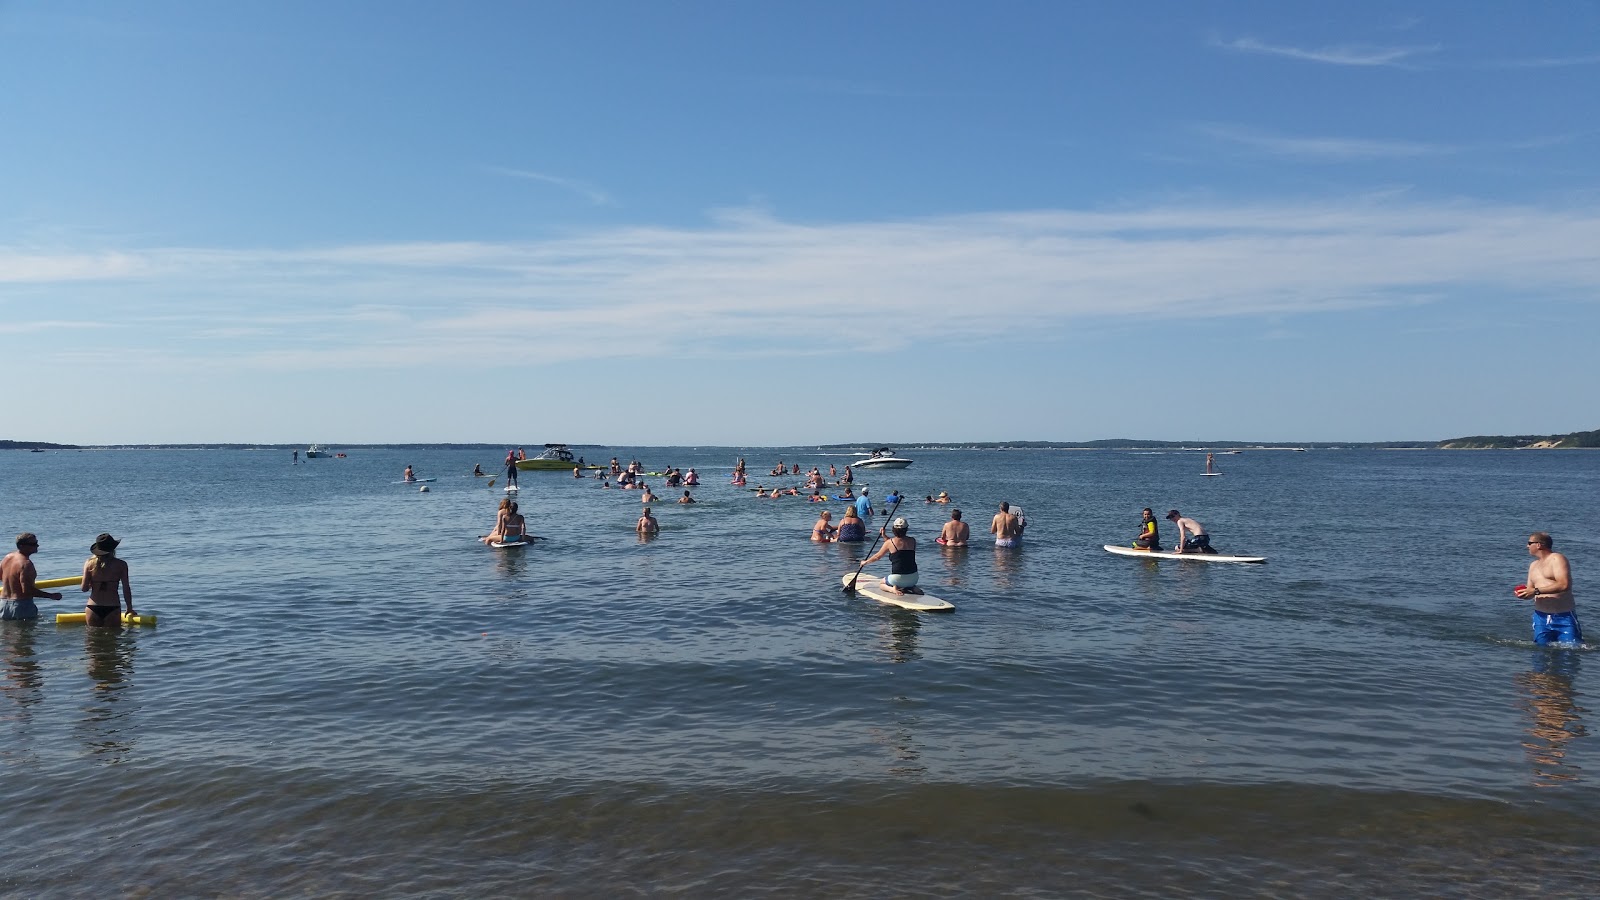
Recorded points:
(647, 496)
(686, 498)
(1191, 534)
(17, 577)
(647, 523)
(1555, 618)
(409, 475)
(1006, 527)
(955, 532)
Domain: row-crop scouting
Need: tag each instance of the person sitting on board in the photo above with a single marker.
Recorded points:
(1149, 535)
(823, 531)
(103, 575)
(691, 479)
(851, 529)
(17, 581)
(902, 553)
(647, 523)
(686, 498)
(847, 495)
(409, 475)
(1191, 534)
(955, 532)
(1006, 527)
(864, 505)
(515, 528)
(1555, 616)
(477, 471)
(499, 528)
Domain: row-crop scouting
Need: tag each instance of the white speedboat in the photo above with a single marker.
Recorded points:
(317, 451)
(882, 458)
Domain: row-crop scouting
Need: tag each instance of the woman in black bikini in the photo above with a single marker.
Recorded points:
(103, 573)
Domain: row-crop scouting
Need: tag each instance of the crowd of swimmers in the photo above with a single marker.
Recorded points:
(105, 579)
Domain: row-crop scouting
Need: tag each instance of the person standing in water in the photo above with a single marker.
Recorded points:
(955, 532)
(103, 575)
(17, 577)
(1006, 527)
(647, 523)
(1555, 614)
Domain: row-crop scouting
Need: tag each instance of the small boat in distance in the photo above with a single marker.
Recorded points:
(882, 458)
(317, 451)
(554, 457)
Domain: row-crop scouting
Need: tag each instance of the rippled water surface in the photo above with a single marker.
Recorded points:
(348, 695)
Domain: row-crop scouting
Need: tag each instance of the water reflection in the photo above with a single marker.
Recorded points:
(1555, 717)
(24, 675)
(106, 725)
(510, 562)
(1008, 567)
(898, 631)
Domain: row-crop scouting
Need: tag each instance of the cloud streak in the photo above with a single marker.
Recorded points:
(1338, 55)
(750, 283)
(592, 194)
(1324, 149)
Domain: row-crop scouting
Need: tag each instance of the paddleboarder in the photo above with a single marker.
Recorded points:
(1149, 533)
(902, 552)
(1191, 534)
(511, 468)
(17, 577)
(1555, 616)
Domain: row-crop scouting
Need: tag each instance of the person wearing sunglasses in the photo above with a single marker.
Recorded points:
(1555, 615)
(17, 577)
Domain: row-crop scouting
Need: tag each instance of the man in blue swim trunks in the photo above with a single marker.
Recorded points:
(1555, 615)
(17, 577)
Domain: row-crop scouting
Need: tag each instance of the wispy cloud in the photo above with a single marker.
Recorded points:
(751, 283)
(1337, 54)
(1326, 149)
(594, 195)
(1552, 62)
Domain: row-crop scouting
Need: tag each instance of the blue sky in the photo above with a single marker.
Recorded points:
(793, 223)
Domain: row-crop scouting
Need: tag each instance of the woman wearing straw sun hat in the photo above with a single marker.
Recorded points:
(103, 573)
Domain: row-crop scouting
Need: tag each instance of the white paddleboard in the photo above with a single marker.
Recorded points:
(417, 481)
(512, 489)
(873, 586)
(1197, 557)
(1210, 474)
(501, 545)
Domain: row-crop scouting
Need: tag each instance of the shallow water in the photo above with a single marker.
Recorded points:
(348, 695)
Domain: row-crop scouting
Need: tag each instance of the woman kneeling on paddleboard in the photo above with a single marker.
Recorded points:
(902, 553)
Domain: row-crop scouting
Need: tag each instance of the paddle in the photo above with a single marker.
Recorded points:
(850, 586)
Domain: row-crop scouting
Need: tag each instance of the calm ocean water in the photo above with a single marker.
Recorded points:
(349, 696)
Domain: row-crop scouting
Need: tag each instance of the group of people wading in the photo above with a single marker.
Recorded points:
(105, 577)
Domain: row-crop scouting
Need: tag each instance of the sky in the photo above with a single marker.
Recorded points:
(784, 223)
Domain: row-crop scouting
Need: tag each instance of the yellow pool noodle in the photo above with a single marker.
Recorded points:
(47, 583)
(78, 619)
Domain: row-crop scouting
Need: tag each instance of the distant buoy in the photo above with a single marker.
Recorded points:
(423, 489)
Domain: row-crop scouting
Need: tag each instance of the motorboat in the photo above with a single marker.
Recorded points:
(317, 451)
(882, 458)
(554, 457)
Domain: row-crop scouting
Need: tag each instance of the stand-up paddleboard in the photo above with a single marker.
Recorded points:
(80, 618)
(46, 583)
(416, 481)
(512, 489)
(873, 586)
(1210, 474)
(501, 545)
(1197, 557)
